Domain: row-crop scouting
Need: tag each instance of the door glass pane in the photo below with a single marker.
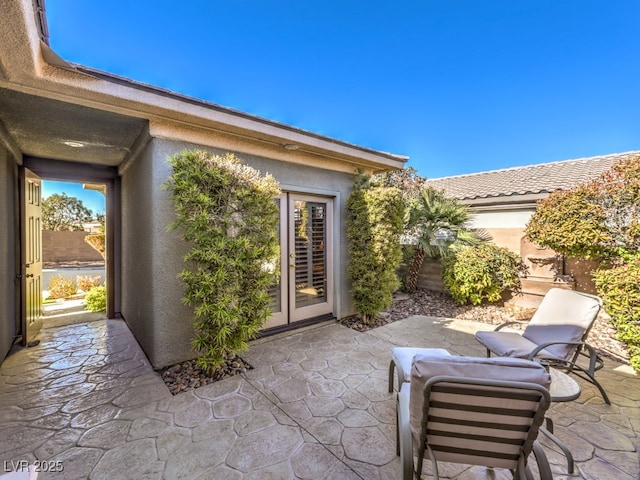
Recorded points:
(275, 289)
(310, 254)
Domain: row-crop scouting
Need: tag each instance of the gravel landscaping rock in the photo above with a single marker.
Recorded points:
(436, 304)
(185, 376)
(188, 376)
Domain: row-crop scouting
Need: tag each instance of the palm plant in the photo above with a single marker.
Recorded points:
(438, 224)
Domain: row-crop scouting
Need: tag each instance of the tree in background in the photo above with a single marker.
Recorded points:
(438, 224)
(406, 180)
(374, 225)
(61, 212)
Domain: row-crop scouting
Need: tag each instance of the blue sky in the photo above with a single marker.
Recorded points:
(91, 199)
(460, 86)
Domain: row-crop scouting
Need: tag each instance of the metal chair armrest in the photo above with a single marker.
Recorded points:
(542, 346)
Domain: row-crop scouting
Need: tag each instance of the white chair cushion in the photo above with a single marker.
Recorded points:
(403, 357)
(566, 307)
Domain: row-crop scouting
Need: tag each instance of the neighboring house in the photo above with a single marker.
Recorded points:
(502, 202)
(62, 121)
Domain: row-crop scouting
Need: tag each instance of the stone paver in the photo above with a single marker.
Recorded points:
(315, 406)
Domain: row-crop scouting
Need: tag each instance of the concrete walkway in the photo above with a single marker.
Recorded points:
(315, 407)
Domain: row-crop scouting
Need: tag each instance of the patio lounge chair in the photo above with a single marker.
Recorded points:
(556, 334)
(475, 411)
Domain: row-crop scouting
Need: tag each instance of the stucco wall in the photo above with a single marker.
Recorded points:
(507, 218)
(152, 257)
(8, 179)
(151, 293)
(509, 238)
(68, 246)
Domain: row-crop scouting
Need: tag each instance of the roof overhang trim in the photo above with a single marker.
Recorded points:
(505, 202)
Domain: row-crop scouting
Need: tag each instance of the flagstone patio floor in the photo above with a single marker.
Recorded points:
(86, 403)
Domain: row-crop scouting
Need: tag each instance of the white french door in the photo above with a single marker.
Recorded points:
(305, 289)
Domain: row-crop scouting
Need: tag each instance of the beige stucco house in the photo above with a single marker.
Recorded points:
(62, 121)
(503, 201)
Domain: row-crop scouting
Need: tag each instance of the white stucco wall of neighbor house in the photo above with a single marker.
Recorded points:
(8, 174)
(152, 256)
(502, 218)
(505, 227)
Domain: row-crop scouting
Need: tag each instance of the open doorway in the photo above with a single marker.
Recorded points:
(74, 252)
(29, 220)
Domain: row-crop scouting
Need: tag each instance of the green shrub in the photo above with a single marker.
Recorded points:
(61, 287)
(227, 214)
(96, 299)
(374, 225)
(474, 274)
(618, 287)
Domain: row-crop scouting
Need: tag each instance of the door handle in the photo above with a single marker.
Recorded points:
(29, 275)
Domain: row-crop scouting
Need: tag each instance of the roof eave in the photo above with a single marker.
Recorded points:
(515, 201)
(36, 69)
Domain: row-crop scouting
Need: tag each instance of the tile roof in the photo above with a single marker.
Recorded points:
(531, 179)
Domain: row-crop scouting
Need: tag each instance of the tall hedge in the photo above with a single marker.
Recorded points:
(619, 288)
(374, 225)
(227, 214)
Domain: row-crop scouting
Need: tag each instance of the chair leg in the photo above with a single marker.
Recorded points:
(543, 462)
(595, 364)
(397, 428)
(392, 371)
(588, 373)
(562, 446)
(592, 379)
(404, 435)
(605, 397)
